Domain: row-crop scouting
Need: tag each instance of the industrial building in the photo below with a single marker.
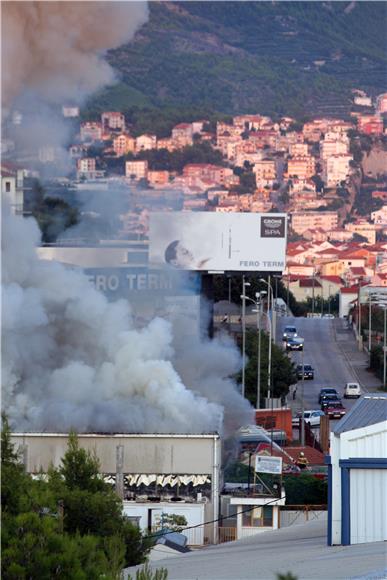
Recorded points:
(357, 475)
(155, 474)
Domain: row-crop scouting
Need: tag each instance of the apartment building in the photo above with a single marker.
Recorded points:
(363, 228)
(380, 216)
(136, 169)
(123, 144)
(381, 104)
(301, 167)
(91, 131)
(336, 169)
(145, 142)
(12, 188)
(158, 178)
(70, 112)
(86, 165)
(302, 221)
(332, 147)
(213, 173)
(370, 124)
(298, 149)
(182, 134)
(265, 172)
(166, 143)
(113, 120)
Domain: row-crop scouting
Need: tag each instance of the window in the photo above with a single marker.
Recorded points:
(258, 517)
(7, 187)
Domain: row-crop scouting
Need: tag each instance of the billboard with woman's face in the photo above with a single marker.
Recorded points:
(218, 241)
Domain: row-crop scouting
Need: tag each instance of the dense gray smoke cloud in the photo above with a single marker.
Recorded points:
(71, 359)
(55, 49)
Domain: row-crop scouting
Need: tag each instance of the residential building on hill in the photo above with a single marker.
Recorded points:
(301, 167)
(113, 120)
(123, 144)
(364, 229)
(91, 131)
(336, 169)
(136, 169)
(145, 142)
(302, 221)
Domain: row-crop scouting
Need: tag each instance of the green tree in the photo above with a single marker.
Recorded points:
(70, 526)
(80, 468)
(282, 368)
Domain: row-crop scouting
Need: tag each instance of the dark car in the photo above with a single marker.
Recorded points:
(327, 400)
(289, 332)
(295, 344)
(335, 410)
(308, 372)
(326, 391)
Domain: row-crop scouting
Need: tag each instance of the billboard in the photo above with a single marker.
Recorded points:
(265, 464)
(218, 241)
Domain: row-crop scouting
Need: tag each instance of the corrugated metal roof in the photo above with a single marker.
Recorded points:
(368, 410)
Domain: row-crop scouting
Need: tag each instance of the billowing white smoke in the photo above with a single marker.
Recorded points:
(55, 49)
(52, 53)
(71, 359)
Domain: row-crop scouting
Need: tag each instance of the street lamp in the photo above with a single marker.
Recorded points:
(329, 299)
(243, 296)
(270, 303)
(259, 310)
(383, 306)
(272, 333)
(302, 399)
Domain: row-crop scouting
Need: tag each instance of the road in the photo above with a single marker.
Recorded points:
(300, 549)
(323, 352)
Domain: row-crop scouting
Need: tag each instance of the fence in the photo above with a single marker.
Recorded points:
(227, 535)
(291, 515)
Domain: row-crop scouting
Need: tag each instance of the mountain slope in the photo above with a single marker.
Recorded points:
(269, 57)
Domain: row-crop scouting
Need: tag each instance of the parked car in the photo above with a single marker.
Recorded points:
(326, 391)
(330, 316)
(289, 332)
(296, 343)
(328, 399)
(312, 417)
(308, 372)
(335, 410)
(352, 391)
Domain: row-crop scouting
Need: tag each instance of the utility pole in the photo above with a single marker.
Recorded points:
(259, 316)
(302, 402)
(244, 284)
(269, 362)
(287, 295)
(313, 291)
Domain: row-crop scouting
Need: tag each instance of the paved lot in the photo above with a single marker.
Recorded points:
(300, 549)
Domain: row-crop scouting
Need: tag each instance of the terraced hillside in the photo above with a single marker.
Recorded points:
(297, 58)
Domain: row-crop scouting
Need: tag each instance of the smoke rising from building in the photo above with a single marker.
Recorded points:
(71, 359)
(56, 49)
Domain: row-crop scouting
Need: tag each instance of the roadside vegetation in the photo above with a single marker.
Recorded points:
(66, 524)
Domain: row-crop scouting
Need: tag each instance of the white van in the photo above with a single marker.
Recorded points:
(352, 391)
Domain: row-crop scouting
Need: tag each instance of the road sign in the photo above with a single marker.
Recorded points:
(265, 464)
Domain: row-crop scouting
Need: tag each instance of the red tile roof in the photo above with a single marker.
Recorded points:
(350, 290)
(309, 283)
(313, 456)
(333, 279)
(358, 271)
